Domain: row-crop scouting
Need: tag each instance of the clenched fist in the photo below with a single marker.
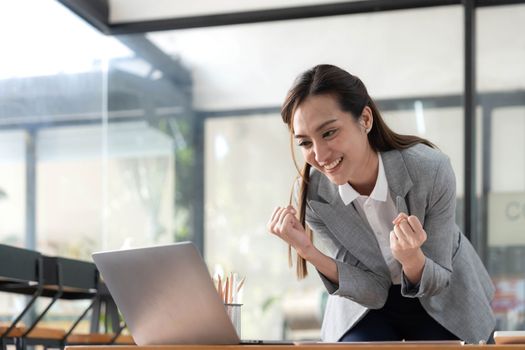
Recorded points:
(285, 225)
(407, 238)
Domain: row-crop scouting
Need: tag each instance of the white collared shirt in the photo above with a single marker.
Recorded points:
(378, 210)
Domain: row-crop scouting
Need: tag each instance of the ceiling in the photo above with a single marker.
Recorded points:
(117, 17)
(125, 11)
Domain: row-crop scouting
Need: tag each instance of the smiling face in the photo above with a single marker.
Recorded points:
(333, 141)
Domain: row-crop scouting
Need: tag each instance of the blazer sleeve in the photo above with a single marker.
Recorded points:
(440, 226)
(356, 281)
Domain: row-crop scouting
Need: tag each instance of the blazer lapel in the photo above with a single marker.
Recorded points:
(352, 232)
(398, 178)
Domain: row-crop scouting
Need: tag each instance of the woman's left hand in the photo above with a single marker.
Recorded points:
(406, 239)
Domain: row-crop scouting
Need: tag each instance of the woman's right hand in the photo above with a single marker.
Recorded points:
(285, 225)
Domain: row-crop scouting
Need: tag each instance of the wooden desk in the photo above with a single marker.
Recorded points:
(304, 347)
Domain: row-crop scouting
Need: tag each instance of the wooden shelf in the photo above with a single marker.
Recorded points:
(95, 338)
(37, 332)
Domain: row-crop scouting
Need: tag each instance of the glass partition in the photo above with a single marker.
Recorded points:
(90, 134)
(501, 92)
(12, 190)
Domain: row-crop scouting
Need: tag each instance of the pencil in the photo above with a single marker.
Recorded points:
(240, 284)
(219, 288)
(227, 290)
(230, 291)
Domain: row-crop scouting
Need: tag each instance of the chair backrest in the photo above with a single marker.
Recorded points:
(26, 271)
(19, 265)
(78, 279)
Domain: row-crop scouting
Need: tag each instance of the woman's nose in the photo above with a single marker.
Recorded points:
(321, 153)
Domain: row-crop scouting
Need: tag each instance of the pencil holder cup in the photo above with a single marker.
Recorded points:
(234, 312)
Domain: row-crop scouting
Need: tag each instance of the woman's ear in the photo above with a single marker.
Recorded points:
(367, 119)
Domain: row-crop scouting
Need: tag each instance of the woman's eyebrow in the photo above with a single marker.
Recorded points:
(319, 127)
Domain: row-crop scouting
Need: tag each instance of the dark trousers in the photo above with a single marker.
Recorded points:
(400, 318)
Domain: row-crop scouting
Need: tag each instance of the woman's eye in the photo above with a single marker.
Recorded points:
(304, 143)
(329, 133)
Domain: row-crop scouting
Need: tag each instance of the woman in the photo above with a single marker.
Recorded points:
(398, 266)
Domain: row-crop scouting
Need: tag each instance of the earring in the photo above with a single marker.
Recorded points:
(368, 130)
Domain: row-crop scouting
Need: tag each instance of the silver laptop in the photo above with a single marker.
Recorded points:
(166, 295)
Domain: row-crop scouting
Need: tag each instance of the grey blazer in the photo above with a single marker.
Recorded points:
(455, 289)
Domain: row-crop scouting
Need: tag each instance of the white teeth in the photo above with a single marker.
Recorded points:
(333, 164)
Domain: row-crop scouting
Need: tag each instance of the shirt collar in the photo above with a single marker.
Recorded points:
(348, 194)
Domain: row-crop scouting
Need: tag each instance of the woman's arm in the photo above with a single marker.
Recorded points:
(351, 280)
(441, 230)
(322, 263)
(285, 225)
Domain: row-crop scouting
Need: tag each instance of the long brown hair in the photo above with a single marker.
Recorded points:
(352, 96)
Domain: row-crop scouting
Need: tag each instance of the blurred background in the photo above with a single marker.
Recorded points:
(162, 125)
